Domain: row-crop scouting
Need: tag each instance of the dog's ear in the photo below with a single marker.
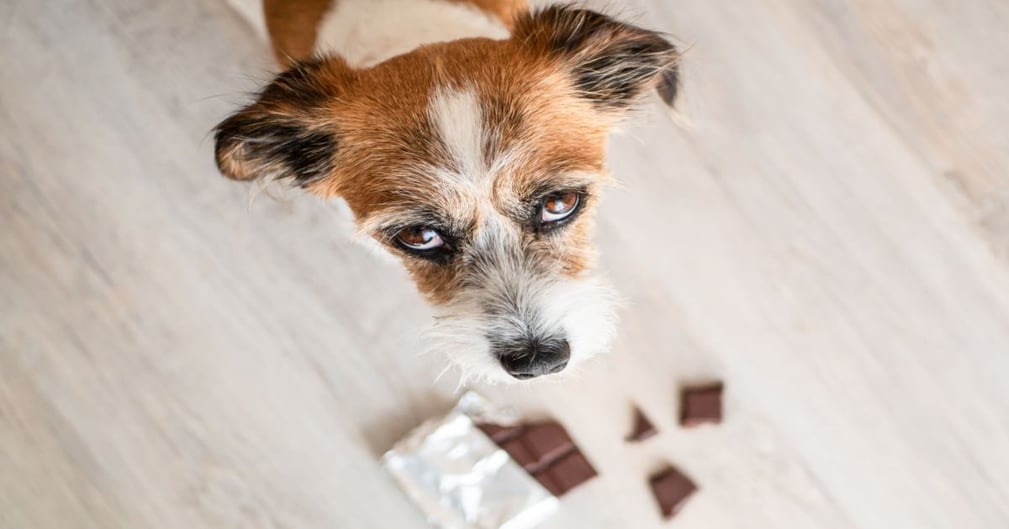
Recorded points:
(612, 63)
(289, 132)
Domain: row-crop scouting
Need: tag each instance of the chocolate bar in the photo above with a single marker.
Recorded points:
(460, 478)
(546, 451)
(671, 490)
(700, 405)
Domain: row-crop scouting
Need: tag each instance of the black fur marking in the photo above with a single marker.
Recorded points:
(669, 85)
(570, 28)
(283, 147)
(297, 86)
(272, 137)
(617, 76)
(309, 154)
(612, 62)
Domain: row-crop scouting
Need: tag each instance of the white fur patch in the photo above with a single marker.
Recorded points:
(586, 310)
(366, 32)
(459, 119)
(582, 311)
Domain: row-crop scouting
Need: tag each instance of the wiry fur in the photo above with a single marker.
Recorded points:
(612, 63)
(510, 300)
(469, 138)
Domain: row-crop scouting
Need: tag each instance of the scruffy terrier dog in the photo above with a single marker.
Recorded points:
(467, 138)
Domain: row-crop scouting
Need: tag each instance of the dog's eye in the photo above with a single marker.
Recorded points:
(420, 238)
(559, 206)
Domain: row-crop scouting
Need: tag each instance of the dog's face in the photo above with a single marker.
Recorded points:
(478, 163)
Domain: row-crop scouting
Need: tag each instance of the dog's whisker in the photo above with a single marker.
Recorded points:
(446, 369)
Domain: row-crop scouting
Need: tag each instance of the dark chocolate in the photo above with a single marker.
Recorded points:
(671, 490)
(700, 405)
(547, 442)
(549, 483)
(643, 428)
(519, 451)
(566, 473)
(546, 451)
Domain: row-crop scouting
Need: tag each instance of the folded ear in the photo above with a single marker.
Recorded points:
(289, 132)
(612, 63)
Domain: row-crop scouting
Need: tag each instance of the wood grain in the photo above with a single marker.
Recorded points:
(828, 233)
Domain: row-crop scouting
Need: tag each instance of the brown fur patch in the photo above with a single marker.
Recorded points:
(388, 160)
(387, 139)
(293, 27)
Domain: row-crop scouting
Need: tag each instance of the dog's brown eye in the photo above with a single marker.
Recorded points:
(559, 206)
(420, 238)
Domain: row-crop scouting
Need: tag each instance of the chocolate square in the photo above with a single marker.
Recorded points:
(671, 490)
(546, 451)
(566, 473)
(643, 428)
(700, 405)
(547, 441)
(519, 451)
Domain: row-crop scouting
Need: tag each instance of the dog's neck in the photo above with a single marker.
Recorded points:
(366, 32)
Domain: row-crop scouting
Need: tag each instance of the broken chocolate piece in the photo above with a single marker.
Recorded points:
(700, 405)
(498, 433)
(566, 473)
(643, 428)
(671, 490)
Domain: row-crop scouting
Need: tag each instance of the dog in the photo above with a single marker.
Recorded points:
(467, 138)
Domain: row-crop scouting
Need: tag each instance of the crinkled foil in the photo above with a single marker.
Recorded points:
(461, 479)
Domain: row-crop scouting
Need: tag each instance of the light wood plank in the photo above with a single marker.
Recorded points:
(828, 234)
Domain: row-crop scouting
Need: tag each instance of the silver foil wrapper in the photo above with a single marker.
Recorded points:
(461, 479)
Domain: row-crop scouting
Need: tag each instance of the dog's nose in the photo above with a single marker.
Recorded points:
(533, 359)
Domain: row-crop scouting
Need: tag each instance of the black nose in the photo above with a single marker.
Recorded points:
(535, 358)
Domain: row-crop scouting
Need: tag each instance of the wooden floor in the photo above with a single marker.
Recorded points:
(827, 231)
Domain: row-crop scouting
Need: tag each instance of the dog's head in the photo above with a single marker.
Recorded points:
(478, 162)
